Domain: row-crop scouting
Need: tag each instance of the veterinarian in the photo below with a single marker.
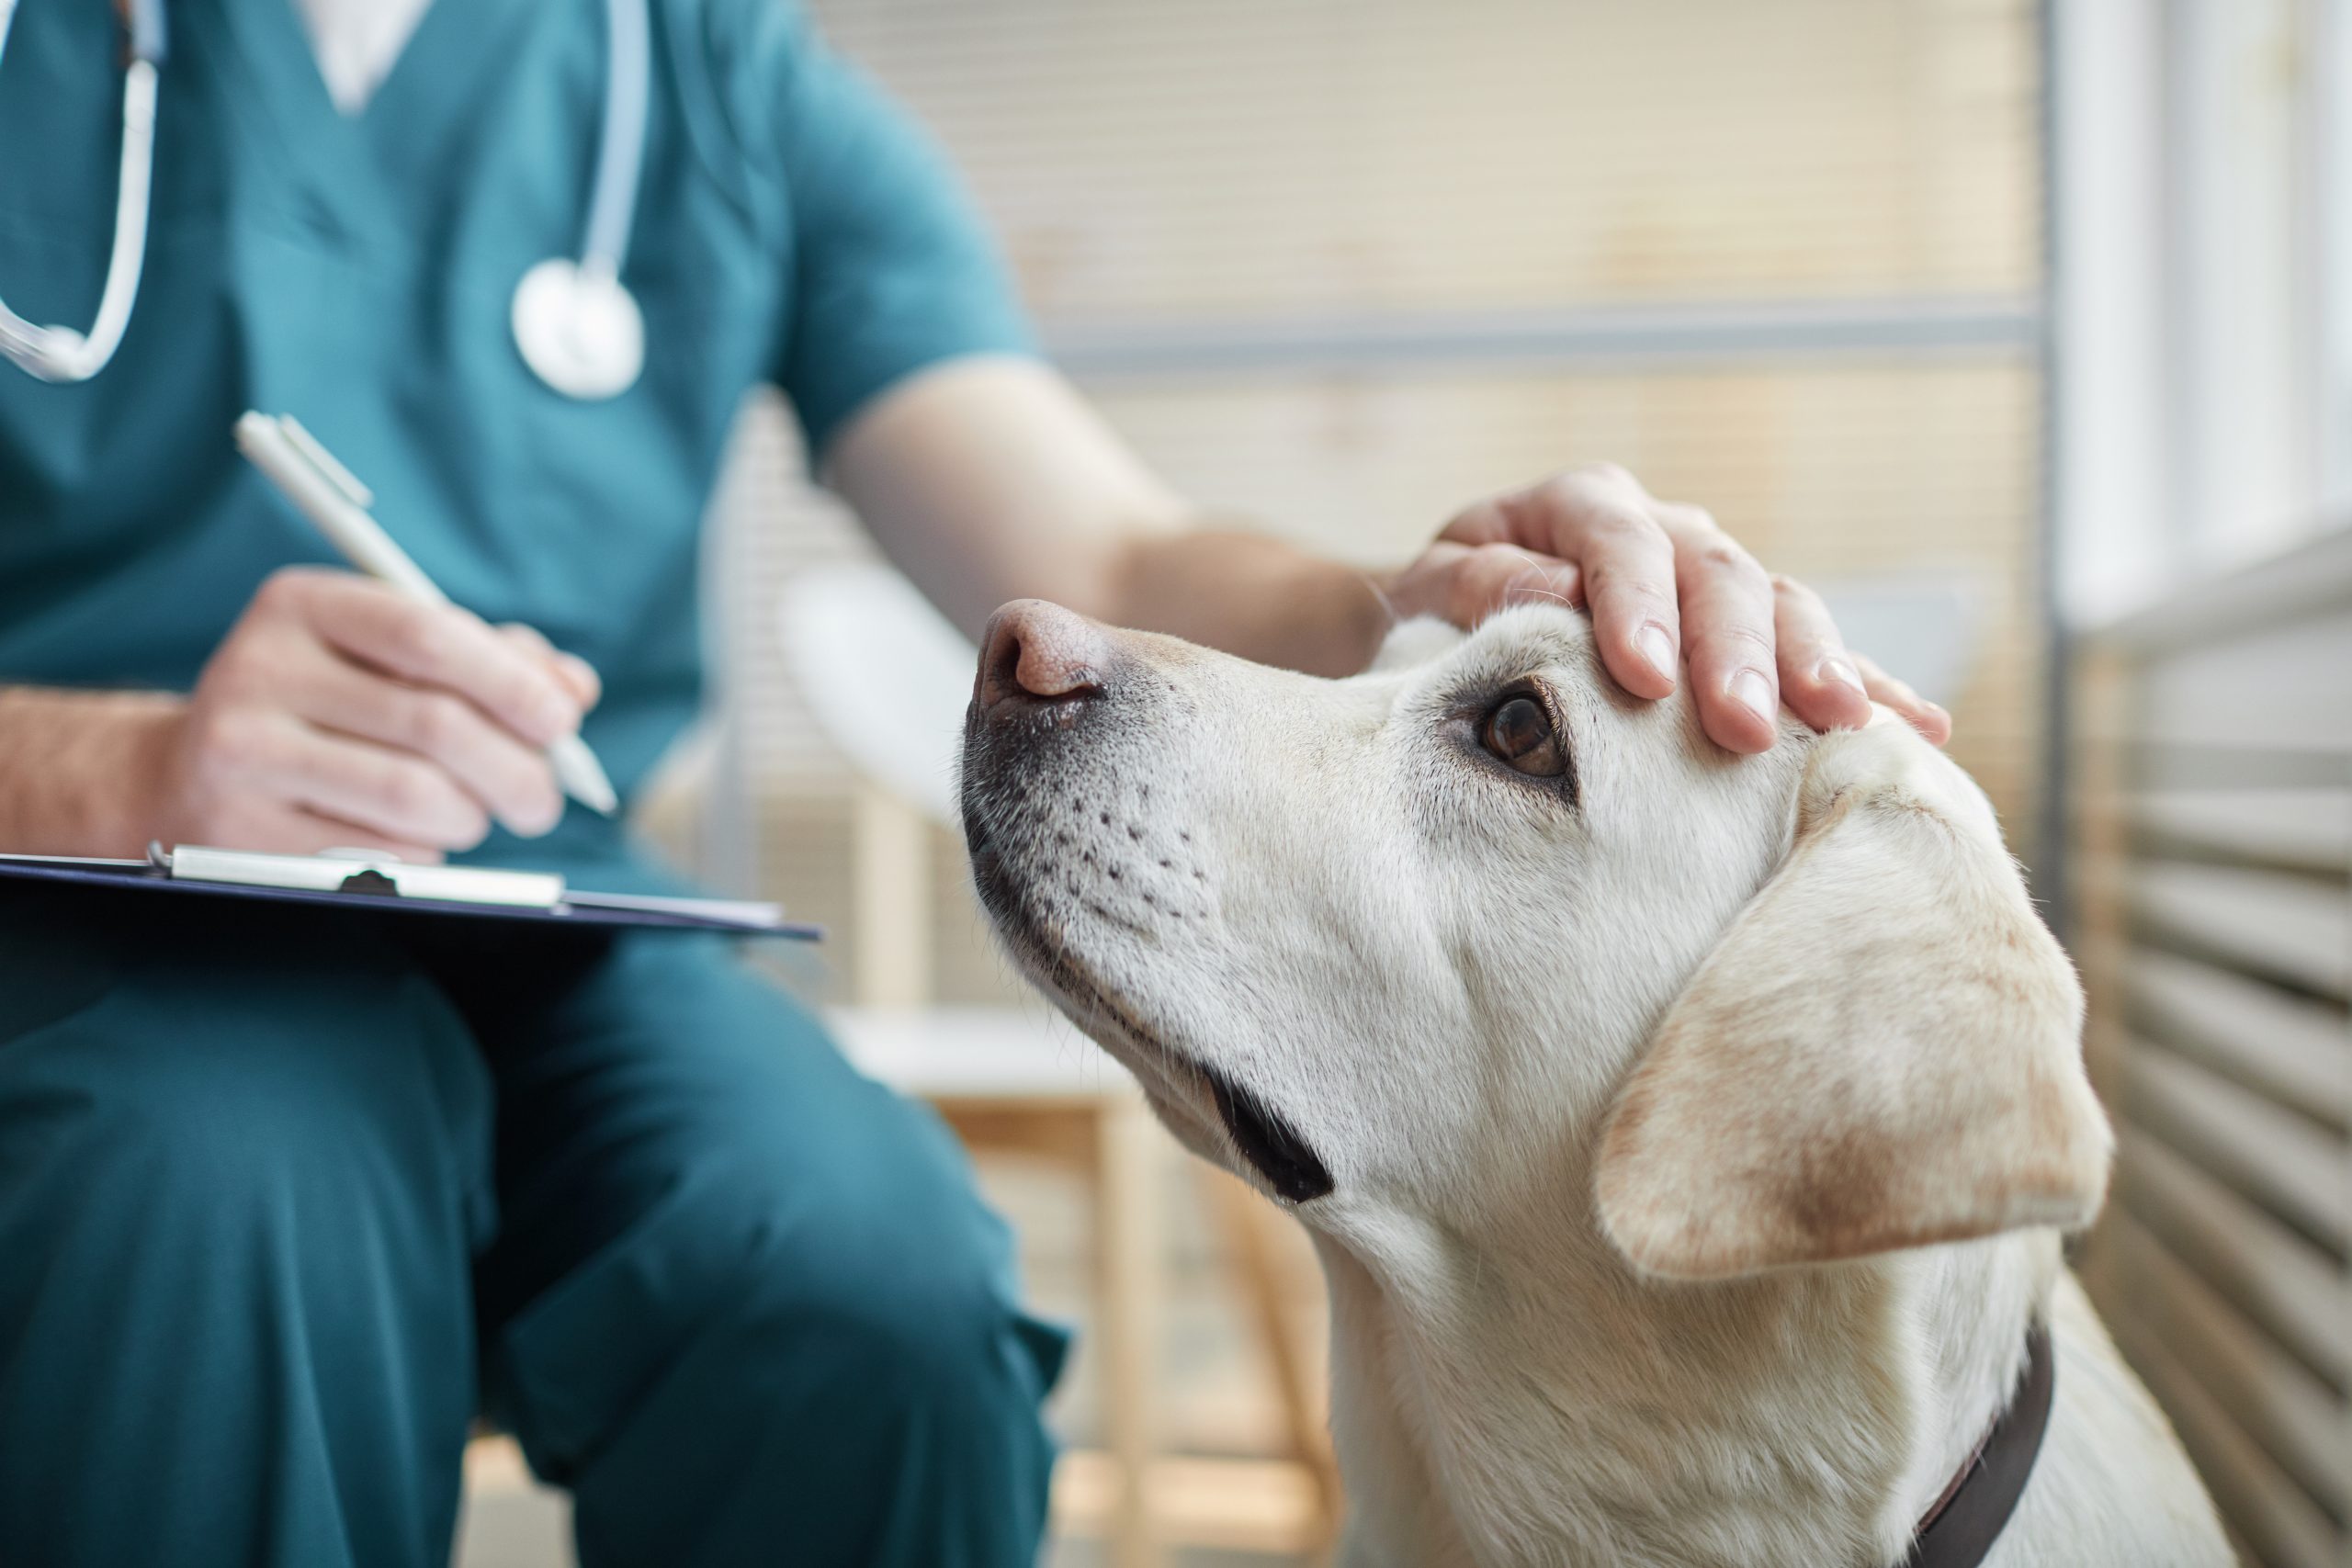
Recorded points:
(285, 1204)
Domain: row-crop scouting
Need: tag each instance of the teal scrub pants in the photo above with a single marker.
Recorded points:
(285, 1199)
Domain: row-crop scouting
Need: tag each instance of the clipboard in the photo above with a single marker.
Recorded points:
(361, 880)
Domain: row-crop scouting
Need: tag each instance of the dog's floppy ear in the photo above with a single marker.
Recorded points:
(1884, 1051)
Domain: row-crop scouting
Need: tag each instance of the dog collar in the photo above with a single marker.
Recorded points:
(1960, 1531)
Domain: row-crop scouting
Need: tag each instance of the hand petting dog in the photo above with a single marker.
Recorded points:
(1663, 584)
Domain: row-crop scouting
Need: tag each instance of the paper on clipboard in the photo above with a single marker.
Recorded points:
(358, 879)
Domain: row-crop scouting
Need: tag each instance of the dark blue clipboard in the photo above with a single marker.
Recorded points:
(139, 877)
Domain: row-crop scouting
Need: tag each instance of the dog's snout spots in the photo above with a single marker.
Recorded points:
(1079, 849)
(1129, 866)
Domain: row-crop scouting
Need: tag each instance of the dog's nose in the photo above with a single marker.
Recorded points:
(1037, 653)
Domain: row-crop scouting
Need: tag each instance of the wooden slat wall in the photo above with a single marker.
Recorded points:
(2215, 863)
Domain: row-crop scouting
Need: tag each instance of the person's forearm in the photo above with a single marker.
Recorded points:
(1250, 595)
(77, 769)
(990, 478)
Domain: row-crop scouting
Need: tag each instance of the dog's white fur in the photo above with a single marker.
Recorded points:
(1702, 1143)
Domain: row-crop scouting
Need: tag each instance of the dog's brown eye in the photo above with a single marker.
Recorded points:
(1520, 732)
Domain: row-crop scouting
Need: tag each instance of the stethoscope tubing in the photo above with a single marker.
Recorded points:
(62, 355)
(620, 154)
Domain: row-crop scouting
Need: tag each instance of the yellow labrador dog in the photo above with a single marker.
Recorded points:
(1687, 1138)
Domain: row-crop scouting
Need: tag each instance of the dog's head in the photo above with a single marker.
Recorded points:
(1438, 939)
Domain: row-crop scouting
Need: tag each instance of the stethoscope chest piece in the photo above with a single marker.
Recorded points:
(578, 329)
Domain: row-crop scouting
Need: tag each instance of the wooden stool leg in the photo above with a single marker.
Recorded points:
(1127, 1234)
(1245, 1220)
(890, 857)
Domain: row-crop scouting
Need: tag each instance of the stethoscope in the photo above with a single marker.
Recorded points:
(575, 324)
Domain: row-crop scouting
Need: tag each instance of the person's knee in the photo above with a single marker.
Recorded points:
(860, 1371)
(929, 1323)
(899, 1279)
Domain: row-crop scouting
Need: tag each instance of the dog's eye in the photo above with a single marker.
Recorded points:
(1520, 732)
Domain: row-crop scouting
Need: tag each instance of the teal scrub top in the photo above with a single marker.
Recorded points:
(793, 228)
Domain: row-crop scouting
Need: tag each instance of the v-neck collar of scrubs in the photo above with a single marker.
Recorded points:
(357, 42)
(364, 175)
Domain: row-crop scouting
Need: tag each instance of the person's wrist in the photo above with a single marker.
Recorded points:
(1350, 618)
(150, 724)
(107, 765)
(1370, 608)
(80, 770)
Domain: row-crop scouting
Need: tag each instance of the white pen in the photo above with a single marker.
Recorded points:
(327, 493)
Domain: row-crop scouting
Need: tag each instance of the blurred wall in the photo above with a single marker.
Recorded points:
(1344, 267)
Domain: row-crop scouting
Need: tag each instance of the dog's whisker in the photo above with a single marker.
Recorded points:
(1526, 587)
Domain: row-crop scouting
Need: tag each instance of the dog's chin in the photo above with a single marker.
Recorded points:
(1264, 1139)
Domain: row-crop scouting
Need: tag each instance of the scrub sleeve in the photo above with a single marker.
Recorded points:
(285, 1199)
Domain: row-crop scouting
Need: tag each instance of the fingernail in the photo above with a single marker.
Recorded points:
(1657, 649)
(1838, 673)
(1752, 691)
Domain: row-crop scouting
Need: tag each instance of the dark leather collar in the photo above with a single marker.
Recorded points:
(1967, 1519)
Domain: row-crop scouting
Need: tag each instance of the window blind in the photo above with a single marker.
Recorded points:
(2217, 815)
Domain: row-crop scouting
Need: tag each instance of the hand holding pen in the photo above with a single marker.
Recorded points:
(328, 493)
(342, 711)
